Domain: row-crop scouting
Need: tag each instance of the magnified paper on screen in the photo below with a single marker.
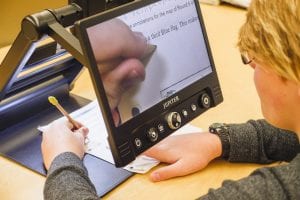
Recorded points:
(179, 59)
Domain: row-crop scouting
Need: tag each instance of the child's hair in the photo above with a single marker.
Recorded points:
(271, 35)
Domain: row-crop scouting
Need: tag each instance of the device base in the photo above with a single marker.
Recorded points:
(22, 144)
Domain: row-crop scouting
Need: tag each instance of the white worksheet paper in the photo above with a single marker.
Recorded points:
(97, 143)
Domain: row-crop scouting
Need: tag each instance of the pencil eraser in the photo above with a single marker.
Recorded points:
(52, 100)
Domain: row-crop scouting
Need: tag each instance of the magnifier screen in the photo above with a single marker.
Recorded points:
(165, 53)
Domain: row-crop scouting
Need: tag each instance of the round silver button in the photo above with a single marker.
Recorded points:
(152, 134)
(174, 120)
(205, 100)
(138, 142)
(193, 107)
(184, 113)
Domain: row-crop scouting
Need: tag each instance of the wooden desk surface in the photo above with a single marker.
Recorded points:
(240, 104)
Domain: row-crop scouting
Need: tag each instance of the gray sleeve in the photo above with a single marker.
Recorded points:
(67, 179)
(259, 142)
(280, 182)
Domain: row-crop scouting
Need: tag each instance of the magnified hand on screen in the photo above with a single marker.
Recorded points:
(118, 51)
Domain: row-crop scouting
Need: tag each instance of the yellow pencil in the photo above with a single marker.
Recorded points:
(55, 102)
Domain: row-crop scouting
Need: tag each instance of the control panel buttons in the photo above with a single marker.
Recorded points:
(138, 143)
(161, 128)
(205, 100)
(174, 120)
(152, 134)
(185, 113)
(193, 107)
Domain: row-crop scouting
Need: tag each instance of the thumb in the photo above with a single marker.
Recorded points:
(168, 172)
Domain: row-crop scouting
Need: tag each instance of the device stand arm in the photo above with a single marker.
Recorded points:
(67, 40)
(17, 55)
(35, 27)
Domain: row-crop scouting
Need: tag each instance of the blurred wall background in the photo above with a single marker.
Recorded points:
(13, 11)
